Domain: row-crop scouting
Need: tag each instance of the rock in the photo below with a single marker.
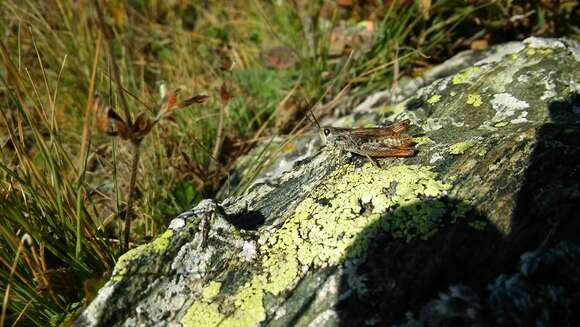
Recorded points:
(323, 238)
(544, 292)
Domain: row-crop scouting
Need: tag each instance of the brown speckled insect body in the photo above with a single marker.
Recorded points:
(377, 142)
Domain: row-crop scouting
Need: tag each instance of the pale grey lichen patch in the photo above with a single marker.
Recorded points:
(432, 124)
(205, 206)
(550, 90)
(506, 106)
(94, 313)
(502, 51)
(190, 261)
(324, 318)
(523, 78)
(536, 42)
(504, 81)
(249, 252)
(522, 118)
(435, 157)
(176, 224)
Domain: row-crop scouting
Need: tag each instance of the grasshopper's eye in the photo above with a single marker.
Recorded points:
(326, 131)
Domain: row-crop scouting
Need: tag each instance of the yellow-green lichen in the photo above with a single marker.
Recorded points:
(434, 99)
(201, 313)
(464, 75)
(540, 51)
(501, 124)
(453, 93)
(474, 100)
(421, 140)
(461, 147)
(158, 245)
(211, 290)
(328, 226)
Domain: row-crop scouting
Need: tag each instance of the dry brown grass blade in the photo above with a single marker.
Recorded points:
(87, 121)
(115, 68)
(6, 298)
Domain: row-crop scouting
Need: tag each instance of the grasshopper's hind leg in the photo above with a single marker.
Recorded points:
(374, 161)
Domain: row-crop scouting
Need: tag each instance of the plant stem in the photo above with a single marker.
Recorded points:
(131, 191)
(215, 164)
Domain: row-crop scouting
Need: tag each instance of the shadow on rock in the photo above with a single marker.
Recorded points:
(461, 266)
(396, 276)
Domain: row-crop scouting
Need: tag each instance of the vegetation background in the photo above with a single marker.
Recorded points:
(118, 115)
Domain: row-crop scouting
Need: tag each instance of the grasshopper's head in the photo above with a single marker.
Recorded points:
(329, 135)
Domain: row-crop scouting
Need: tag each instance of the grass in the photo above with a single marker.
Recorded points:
(65, 185)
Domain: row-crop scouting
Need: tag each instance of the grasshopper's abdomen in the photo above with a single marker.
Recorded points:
(393, 141)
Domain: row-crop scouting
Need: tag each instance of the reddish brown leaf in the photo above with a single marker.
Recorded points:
(121, 129)
(201, 98)
(101, 119)
(170, 103)
(344, 3)
(142, 125)
(225, 94)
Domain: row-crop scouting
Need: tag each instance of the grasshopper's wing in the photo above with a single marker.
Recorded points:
(391, 130)
(400, 126)
(377, 150)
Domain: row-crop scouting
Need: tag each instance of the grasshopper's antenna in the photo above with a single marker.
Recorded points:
(315, 120)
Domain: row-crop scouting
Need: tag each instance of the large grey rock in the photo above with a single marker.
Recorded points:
(323, 238)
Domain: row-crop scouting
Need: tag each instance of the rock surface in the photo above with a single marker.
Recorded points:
(326, 239)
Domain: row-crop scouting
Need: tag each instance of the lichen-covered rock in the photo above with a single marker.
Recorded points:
(543, 292)
(323, 238)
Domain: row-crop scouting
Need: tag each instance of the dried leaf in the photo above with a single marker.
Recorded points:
(121, 129)
(225, 94)
(142, 125)
(201, 98)
(107, 120)
(170, 103)
(113, 115)
(280, 57)
(101, 118)
(479, 44)
(344, 3)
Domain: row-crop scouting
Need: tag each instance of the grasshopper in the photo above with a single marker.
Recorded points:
(376, 142)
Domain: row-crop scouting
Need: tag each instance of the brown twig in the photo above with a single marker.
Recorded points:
(132, 182)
